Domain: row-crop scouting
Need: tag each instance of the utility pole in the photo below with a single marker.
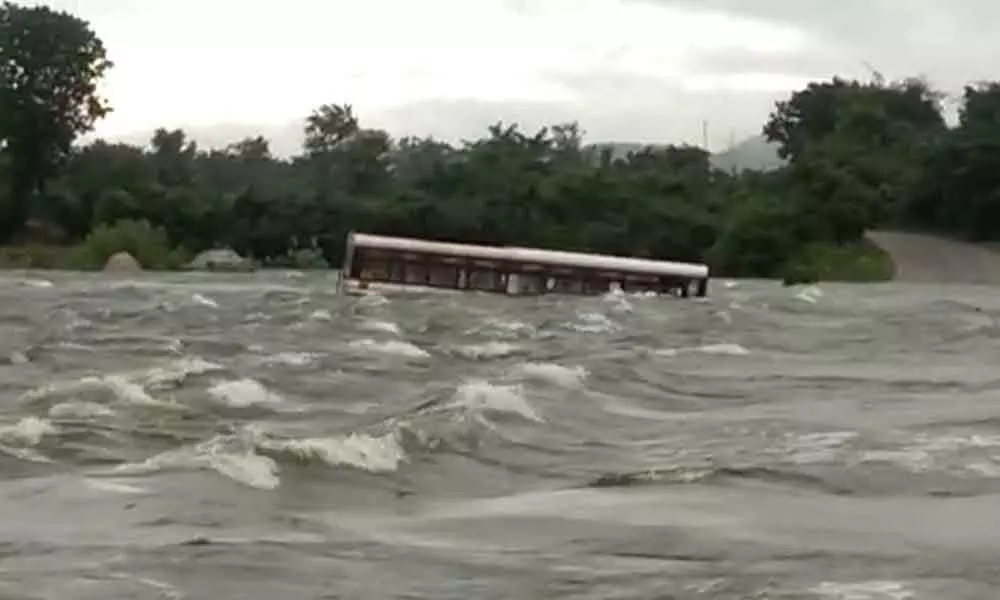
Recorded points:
(704, 135)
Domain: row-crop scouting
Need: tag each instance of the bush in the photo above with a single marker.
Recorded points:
(303, 259)
(148, 244)
(858, 262)
(36, 256)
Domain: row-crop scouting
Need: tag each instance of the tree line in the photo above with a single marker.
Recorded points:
(858, 155)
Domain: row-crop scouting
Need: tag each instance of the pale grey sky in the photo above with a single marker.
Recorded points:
(630, 70)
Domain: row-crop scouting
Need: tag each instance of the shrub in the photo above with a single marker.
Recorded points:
(35, 256)
(303, 259)
(148, 244)
(857, 262)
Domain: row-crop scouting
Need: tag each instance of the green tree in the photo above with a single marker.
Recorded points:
(328, 127)
(50, 65)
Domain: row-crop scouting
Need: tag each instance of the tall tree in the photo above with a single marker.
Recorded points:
(328, 127)
(50, 65)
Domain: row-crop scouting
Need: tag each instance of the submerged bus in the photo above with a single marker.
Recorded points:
(383, 263)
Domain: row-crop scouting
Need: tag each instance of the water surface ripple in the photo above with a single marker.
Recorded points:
(258, 437)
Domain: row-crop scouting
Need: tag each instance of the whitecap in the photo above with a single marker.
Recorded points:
(293, 359)
(494, 349)
(479, 394)
(554, 373)
(380, 326)
(243, 393)
(203, 300)
(28, 431)
(864, 590)
(362, 451)
(391, 347)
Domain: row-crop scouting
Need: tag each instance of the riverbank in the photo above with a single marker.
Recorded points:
(929, 258)
(864, 262)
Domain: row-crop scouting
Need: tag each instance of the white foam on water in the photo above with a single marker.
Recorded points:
(593, 322)
(113, 486)
(174, 372)
(554, 373)
(25, 454)
(80, 409)
(955, 442)
(373, 298)
(817, 447)
(321, 315)
(204, 300)
(129, 388)
(243, 393)
(985, 469)
(238, 458)
(362, 451)
(503, 328)
(245, 467)
(617, 406)
(809, 294)
(37, 283)
(162, 589)
(863, 590)
(28, 431)
(494, 349)
(293, 359)
(614, 291)
(377, 325)
(128, 391)
(256, 317)
(248, 468)
(618, 300)
(723, 349)
(390, 347)
(917, 460)
(481, 395)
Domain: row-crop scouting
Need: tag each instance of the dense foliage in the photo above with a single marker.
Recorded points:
(858, 155)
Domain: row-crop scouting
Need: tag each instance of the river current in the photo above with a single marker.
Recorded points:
(257, 436)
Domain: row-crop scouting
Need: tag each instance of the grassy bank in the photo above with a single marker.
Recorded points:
(149, 245)
(78, 257)
(861, 262)
(864, 262)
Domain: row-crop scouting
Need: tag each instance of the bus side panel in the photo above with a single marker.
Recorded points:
(345, 267)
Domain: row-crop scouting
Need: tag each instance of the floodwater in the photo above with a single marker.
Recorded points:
(258, 437)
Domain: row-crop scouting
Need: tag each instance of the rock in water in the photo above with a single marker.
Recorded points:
(223, 259)
(122, 262)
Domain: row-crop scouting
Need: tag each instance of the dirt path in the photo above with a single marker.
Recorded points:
(932, 259)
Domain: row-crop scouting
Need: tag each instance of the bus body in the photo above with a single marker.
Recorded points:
(384, 263)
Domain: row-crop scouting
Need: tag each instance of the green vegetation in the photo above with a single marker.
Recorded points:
(854, 156)
(856, 262)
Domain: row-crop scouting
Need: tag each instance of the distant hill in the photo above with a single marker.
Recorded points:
(752, 154)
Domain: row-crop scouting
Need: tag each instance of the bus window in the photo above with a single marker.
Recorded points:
(444, 276)
(486, 280)
(415, 273)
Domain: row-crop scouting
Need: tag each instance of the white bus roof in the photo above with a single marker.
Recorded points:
(533, 255)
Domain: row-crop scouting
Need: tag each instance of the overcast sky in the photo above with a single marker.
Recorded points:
(628, 70)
